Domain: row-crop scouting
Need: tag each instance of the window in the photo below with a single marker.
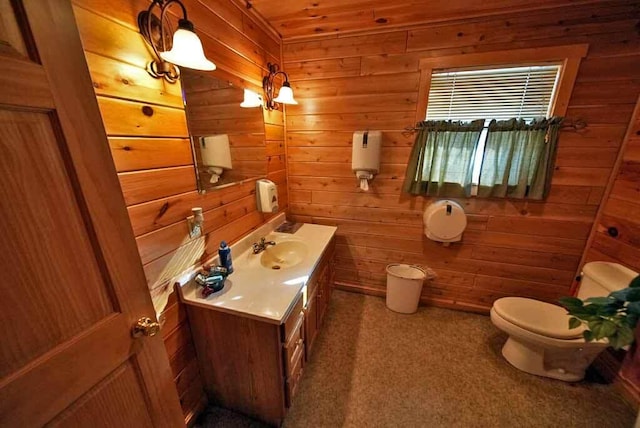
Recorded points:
(501, 93)
(512, 94)
(493, 93)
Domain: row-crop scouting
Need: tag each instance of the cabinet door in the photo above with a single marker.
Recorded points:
(311, 323)
(323, 295)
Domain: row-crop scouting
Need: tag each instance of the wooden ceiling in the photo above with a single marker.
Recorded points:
(304, 18)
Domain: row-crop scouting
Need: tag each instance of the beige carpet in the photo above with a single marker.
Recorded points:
(438, 368)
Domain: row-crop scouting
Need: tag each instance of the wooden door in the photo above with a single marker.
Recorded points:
(72, 284)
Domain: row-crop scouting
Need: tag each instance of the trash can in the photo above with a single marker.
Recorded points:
(404, 286)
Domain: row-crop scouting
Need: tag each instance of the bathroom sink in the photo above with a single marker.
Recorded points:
(284, 254)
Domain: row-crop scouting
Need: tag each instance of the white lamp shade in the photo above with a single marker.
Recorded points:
(251, 99)
(285, 96)
(215, 151)
(187, 51)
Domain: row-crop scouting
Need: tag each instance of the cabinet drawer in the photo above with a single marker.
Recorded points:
(293, 379)
(291, 323)
(294, 347)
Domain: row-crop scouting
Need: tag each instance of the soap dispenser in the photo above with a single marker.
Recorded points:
(267, 196)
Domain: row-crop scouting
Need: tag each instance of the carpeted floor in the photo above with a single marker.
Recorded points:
(438, 368)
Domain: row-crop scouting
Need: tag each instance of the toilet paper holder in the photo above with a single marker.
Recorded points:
(444, 221)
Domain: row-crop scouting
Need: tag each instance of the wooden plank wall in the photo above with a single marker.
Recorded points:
(147, 130)
(349, 82)
(621, 210)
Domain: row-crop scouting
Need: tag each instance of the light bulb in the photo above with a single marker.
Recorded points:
(251, 99)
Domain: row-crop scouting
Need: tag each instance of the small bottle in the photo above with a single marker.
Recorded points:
(224, 253)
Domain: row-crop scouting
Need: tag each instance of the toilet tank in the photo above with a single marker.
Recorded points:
(601, 278)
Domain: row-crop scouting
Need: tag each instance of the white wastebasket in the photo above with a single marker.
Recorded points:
(404, 286)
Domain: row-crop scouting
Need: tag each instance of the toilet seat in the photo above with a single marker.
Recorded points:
(537, 317)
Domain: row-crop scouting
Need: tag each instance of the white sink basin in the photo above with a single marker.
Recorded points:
(283, 255)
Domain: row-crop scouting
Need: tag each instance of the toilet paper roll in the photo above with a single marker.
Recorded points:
(364, 184)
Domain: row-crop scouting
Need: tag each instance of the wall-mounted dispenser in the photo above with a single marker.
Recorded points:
(216, 155)
(195, 222)
(365, 156)
(444, 221)
(267, 196)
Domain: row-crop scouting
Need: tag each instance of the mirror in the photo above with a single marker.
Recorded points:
(228, 141)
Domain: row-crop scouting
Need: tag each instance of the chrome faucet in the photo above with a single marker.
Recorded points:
(259, 247)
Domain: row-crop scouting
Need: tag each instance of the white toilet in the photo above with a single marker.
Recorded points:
(540, 341)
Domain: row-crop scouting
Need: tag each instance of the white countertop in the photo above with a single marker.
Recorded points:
(259, 292)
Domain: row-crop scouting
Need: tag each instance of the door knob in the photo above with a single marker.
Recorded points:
(145, 327)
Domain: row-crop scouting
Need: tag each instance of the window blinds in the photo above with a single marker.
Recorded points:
(496, 93)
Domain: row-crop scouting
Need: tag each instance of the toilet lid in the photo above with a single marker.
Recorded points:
(538, 317)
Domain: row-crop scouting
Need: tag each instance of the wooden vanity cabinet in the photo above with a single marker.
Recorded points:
(319, 288)
(253, 366)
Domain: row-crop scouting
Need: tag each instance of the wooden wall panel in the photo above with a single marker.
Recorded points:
(350, 82)
(620, 213)
(621, 208)
(146, 125)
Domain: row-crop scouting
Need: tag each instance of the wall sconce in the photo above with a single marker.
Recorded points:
(251, 99)
(186, 47)
(285, 96)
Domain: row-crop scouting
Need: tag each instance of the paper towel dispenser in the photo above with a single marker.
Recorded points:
(365, 156)
(444, 221)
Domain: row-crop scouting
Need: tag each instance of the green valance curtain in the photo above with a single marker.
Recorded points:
(441, 162)
(518, 158)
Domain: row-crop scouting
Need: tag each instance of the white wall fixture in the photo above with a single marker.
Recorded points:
(365, 156)
(444, 221)
(266, 196)
(216, 155)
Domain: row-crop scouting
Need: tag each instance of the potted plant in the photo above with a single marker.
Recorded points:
(613, 317)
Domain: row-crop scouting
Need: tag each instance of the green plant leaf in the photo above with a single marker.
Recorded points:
(596, 328)
(625, 336)
(615, 342)
(570, 302)
(632, 320)
(635, 282)
(633, 295)
(633, 308)
(591, 309)
(588, 336)
(608, 328)
(620, 295)
(627, 294)
(574, 323)
(598, 300)
(609, 309)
